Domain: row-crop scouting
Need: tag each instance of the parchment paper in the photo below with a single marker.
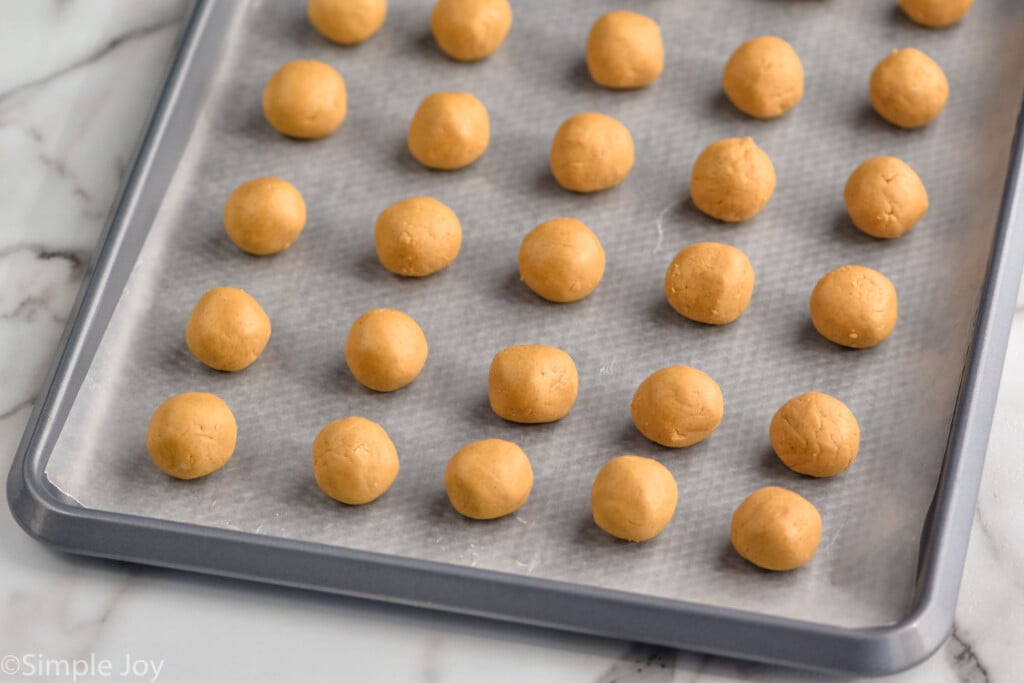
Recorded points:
(903, 392)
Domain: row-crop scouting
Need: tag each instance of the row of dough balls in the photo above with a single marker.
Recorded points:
(732, 180)
(633, 498)
(764, 78)
(624, 50)
(470, 30)
(676, 407)
(592, 151)
(561, 260)
(712, 283)
(709, 282)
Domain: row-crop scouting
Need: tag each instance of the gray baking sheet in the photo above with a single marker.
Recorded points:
(903, 392)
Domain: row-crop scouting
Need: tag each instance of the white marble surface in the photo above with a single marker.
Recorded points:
(75, 87)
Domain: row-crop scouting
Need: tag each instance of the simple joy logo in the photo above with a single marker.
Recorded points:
(35, 665)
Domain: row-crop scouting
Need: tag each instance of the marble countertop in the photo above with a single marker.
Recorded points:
(79, 80)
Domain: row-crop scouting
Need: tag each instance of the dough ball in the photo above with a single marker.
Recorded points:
(385, 349)
(417, 236)
(633, 498)
(532, 384)
(354, 460)
(764, 77)
(936, 13)
(710, 282)
(908, 89)
(732, 180)
(488, 479)
(854, 306)
(305, 99)
(450, 130)
(191, 435)
(776, 529)
(561, 260)
(591, 152)
(815, 434)
(624, 50)
(677, 406)
(348, 22)
(468, 30)
(885, 197)
(264, 216)
(227, 330)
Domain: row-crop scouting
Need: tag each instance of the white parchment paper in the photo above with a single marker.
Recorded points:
(903, 392)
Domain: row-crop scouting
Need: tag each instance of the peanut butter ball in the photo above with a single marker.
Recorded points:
(624, 50)
(354, 460)
(488, 479)
(417, 237)
(191, 435)
(633, 498)
(561, 260)
(264, 216)
(854, 306)
(227, 330)
(450, 130)
(776, 529)
(936, 13)
(815, 434)
(305, 99)
(531, 383)
(732, 180)
(710, 282)
(885, 198)
(764, 77)
(591, 152)
(908, 89)
(469, 30)
(347, 22)
(677, 406)
(385, 349)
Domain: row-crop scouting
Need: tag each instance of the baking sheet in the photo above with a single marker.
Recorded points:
(902, 392)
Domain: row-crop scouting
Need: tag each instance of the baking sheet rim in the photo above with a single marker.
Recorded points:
(41, 511)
